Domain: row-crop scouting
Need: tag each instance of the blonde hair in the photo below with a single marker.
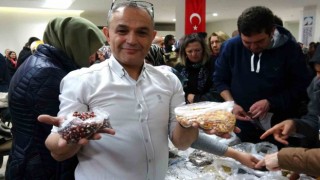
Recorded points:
(34, 45)
(222, 37)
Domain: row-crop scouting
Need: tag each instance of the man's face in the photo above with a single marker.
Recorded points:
(256, 43)
(130, 35)
(311, 49)
(7, 52)
(172, 41)
(215, 45)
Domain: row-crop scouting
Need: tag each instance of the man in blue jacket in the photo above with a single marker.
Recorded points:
(263, 71)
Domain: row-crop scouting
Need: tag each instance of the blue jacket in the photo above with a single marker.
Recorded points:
(34, 90)
(282, 77)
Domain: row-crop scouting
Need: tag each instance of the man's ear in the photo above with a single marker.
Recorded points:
(154, 33)
(105, 31)
(272, 31)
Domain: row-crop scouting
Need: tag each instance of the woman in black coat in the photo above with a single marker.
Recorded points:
(34, 90)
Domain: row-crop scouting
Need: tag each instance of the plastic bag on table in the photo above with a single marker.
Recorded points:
(260, 149)
(264, 148)
(274, 175)
(242, 177)
(226, 166)
(200, 158)
(80, 125)
(245, 147)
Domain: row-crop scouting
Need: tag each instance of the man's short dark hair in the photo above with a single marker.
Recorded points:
(277, 20)
(134, 4)
(256, 19)
(167, 38)
(32, 39)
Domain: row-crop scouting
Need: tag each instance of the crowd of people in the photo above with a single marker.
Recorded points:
(273, 82)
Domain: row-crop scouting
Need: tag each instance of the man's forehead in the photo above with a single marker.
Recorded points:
(127, 9)
(123, 19)
(214, 38)
(255, 37)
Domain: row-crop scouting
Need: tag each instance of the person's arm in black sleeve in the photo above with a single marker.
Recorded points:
(286, 98)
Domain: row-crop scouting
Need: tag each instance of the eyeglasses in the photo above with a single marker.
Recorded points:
(143, 4)
(196, 51)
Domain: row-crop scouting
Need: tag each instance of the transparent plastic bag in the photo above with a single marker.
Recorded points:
(80, 125)
(273, 175)
(226, 166)
(209, 115)
(242, 177)
(200, 158)
(260, 149)
(245, 147)
(264, 148)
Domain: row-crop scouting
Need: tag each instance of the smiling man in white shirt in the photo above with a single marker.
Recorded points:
(139, 98)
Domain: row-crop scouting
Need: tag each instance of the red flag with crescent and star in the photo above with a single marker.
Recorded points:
(195, 16)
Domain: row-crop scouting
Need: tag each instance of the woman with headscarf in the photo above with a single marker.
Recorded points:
(34, 90)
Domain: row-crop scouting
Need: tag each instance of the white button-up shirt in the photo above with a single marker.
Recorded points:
(141, 112)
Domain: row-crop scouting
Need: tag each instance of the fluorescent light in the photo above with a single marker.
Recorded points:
(214, 14)
(57, 4)
(174, 20)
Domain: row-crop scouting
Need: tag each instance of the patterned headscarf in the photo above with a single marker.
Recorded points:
(77, 37)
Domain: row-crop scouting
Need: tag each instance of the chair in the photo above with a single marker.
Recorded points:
(5, 130)
(5, 147)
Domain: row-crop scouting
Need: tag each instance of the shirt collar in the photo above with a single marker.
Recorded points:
(116, 67)
(120, 71)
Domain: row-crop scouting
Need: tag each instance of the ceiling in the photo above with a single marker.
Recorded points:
(288, 10)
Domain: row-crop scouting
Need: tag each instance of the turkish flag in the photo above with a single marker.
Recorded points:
(195, 16)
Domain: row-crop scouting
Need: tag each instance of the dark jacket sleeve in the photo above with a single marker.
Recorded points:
(210, 145)
(308, 124)
(298, 81)
(300, 160)
(211, 95)
(4, 75)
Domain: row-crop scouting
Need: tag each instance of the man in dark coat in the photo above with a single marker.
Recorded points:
(26, 51)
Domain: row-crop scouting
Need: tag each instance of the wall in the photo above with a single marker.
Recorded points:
(18, 25)
(97, 18)
(293, 27)
(227, 26)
